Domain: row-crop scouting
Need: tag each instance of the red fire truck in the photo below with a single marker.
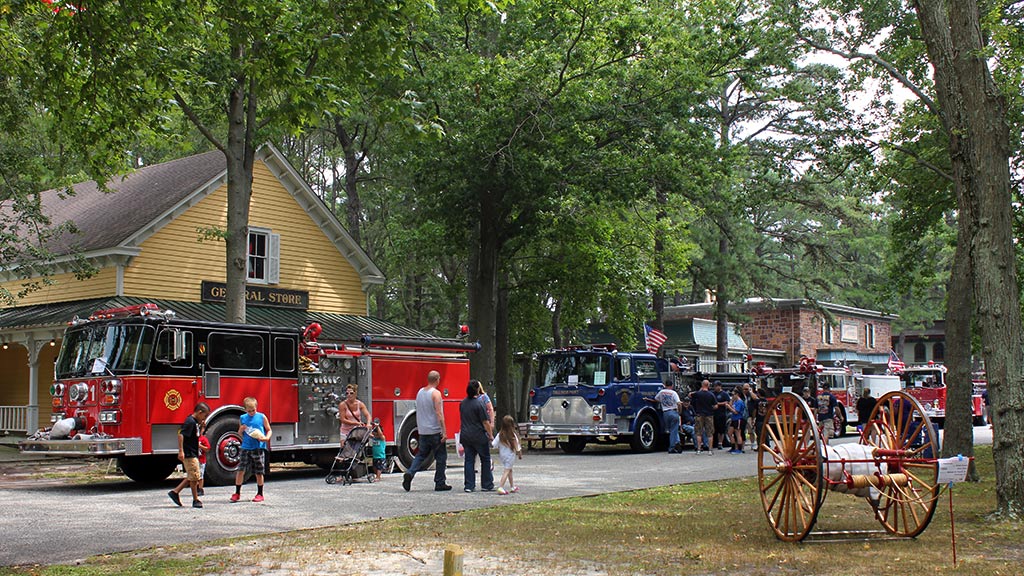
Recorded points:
(810, 375)
(129, 376)
(927, 383)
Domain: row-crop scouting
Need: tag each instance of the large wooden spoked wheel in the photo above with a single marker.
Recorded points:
(790, 470)
(898, 422)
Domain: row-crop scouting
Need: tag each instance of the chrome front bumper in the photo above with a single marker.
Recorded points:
(538, 429)
(83, 448)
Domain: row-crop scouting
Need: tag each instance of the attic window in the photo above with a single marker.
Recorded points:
(264, 257)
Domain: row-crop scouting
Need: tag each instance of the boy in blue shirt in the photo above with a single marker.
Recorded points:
(254, 428)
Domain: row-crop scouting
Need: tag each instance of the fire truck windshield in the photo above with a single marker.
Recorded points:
(575, 368)
(103, 349)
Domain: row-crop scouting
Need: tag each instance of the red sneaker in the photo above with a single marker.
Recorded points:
(235, 497)
(258, 498)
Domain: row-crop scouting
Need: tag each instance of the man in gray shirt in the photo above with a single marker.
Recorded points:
(430, 425)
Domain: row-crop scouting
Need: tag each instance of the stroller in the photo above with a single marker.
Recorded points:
(350, 463)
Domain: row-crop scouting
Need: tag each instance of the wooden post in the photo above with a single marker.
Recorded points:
(453, 560)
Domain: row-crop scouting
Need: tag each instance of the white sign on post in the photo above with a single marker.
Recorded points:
(952, 470)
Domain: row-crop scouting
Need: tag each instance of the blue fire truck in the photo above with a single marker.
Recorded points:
(597, 394)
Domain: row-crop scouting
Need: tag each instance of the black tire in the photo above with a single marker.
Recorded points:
(574, 444)
(225, 450)
(148, 469)
(407, 445)
(645, 434)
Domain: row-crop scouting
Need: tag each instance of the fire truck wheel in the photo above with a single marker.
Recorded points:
(408, 444)
(225, 450)
(645, 434)
(148, 469)
(574, 444)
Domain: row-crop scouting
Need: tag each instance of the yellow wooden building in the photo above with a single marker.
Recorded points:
(146, 238)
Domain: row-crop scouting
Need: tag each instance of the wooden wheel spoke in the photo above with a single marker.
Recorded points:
(768, 485)
(778, 492)
(771, 452)
(914, 477)
(916, 452)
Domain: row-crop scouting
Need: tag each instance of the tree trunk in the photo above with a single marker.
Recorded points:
(722, 314)
(658, 295)
(974, 116)
(353, 162)
(483, 284)
(556, 325)
(239, 154)
(503, 388)
(958, 437)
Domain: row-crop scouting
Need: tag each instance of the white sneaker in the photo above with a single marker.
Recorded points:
(502, 491)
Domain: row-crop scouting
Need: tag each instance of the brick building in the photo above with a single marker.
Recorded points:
(855, 336)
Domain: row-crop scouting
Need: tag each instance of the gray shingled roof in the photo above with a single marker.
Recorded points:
(337, 327)
(107, 219)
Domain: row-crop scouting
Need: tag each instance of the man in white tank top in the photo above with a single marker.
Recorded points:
(430, 426)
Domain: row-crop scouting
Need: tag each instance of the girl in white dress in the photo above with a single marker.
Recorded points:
(507, 443)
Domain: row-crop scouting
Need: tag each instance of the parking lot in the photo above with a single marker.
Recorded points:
(49, 521)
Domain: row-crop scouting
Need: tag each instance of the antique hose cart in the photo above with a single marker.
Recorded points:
(894, 467)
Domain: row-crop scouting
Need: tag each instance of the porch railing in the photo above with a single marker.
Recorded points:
(14, 419)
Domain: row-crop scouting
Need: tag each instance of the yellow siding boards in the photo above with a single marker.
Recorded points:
(14, 380)
(14, 377)
(65, 288)
(173, 262)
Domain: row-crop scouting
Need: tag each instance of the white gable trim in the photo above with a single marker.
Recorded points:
(177, 210)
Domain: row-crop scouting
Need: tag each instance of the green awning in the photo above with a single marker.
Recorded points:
(337, 327)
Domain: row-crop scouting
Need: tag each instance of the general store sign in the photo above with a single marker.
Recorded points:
(259, 296)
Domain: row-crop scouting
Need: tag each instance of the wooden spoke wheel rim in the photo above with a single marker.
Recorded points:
(899, 422)
(790, 470)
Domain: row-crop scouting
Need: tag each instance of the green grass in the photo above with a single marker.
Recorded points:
(706, 528)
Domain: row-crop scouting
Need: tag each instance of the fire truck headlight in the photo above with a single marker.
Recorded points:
(111, 399)
(598, 410)
(534, 413)
(79, 392)
(112, 386)
(57, 389)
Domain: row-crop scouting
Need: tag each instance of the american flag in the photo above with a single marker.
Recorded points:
(653, 339)
(895, 364)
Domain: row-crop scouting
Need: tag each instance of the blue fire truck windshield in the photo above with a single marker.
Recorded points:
(578, 368)
(104, 349)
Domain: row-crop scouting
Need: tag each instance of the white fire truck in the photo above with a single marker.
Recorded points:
(128, 377)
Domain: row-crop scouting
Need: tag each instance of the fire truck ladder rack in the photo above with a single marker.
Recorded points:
(413, 343)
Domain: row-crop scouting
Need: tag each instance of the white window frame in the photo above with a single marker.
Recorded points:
(271, 260)
(827, 334)
(869, 335)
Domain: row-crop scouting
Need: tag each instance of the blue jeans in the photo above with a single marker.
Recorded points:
(431, 444)
(670, 420)
(481, 449)
(688, 429)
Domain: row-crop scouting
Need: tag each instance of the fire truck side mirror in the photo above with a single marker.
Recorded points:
(178, 351)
